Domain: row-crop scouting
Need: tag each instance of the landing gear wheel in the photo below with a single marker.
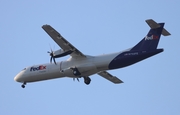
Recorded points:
(87, 80)
(23, 85)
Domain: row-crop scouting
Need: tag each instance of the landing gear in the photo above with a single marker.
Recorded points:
(76, 71)
(76, 78)
(87, 80)
(23, 85)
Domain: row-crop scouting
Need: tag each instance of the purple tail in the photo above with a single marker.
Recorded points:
(151, 40)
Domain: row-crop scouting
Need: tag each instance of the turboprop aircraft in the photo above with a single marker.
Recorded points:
(80, 65)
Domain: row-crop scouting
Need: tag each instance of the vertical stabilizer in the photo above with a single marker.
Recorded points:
(151, 40)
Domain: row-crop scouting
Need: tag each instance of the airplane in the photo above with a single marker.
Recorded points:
(80, 65)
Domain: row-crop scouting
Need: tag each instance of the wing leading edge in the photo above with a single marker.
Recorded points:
(61, 41)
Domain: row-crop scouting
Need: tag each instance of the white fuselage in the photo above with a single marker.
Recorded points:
(87, 66)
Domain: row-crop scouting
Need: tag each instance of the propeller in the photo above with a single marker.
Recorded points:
(52, 56)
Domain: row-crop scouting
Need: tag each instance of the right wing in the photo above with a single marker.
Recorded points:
(109, 77)
(62, 42)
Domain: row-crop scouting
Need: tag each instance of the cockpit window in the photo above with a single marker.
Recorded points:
(24, 69)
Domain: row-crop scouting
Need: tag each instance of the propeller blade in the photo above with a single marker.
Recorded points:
(52, 56)
(51, 50)
(54, 60)
(51, 59)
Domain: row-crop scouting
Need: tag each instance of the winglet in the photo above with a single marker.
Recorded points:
(152, 24)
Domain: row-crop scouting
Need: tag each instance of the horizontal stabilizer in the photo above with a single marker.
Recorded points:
(154, 25)
(165, 32)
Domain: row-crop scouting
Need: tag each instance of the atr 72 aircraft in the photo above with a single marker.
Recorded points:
(80, 65)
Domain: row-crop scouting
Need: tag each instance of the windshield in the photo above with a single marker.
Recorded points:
(24, 69)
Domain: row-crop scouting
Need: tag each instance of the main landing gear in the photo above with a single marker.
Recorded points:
(23, 85)
(87, 80)
(76, 72)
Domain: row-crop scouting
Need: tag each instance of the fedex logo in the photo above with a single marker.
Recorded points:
(152, 37)
(41, 67)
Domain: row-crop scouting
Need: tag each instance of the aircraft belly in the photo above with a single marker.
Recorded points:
(88, 69)
(41, 77)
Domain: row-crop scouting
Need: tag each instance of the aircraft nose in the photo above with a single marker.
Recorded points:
(18, 77)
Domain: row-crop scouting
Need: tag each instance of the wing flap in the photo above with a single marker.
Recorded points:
(61, 41)
(109, 77)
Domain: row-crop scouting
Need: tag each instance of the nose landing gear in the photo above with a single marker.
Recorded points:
(23, 85)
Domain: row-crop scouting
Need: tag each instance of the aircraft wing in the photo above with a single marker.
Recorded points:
(62, 42)
(109, 77)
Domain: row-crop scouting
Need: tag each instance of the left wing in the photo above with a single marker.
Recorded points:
(62, 42)
(109, 77)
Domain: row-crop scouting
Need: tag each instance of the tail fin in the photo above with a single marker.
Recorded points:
(151, 40)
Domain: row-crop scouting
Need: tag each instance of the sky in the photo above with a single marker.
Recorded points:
(94, 27)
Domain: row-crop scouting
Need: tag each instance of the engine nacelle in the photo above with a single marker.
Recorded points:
(61, 53)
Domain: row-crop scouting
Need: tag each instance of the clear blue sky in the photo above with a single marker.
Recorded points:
(95, 27)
